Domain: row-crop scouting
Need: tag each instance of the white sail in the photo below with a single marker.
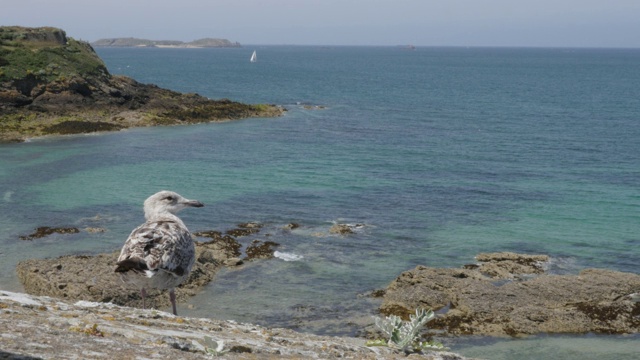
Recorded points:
(253, 57)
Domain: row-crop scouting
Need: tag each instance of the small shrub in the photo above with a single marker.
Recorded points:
(212, 347)
(404, 335)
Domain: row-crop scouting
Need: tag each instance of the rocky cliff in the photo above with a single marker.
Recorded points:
(54, 84)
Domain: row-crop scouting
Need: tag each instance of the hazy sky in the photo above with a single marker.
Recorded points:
(558, 23)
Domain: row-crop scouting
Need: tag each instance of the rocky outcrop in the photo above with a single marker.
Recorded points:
(43, 231)
(47, 328)
(345, 229)
(53, 84)
(92, 277)
(36, 35)
(509, 294)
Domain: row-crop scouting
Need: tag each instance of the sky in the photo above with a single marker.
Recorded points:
(528, 23)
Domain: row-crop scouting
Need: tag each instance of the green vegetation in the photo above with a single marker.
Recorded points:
(52, 84)
(80, 127)
(213, 348)
(404, 335)
(48, 56)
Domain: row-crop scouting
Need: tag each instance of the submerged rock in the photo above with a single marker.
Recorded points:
(291, 226)
(261, 250)
(484, 300)
(43, 231)
(341, 229)
(344, 229)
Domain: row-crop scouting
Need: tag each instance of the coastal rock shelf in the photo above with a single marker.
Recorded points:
(48, 328)
(510, 294)
(53, 84)
(92, 277)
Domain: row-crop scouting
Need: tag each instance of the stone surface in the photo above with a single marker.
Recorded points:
(47, 328)
(341, 229)
(92, 278)
(43, 231)
(490, 300)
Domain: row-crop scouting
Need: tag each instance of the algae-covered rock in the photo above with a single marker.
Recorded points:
(513, 296)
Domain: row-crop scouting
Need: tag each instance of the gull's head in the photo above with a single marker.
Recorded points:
(167, 202)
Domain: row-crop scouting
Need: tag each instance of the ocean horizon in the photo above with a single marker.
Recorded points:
(436, 153)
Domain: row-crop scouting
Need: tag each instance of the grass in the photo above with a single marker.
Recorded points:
(47, 61)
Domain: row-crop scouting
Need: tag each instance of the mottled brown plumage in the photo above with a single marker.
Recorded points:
(159, 253)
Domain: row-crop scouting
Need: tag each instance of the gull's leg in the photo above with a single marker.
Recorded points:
(143, 293)
(172, 297)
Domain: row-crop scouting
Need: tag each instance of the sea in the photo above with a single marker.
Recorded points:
(432, 155)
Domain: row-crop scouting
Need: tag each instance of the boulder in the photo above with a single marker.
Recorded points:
(511, 295)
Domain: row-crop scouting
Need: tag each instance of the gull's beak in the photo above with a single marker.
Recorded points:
(193, 203)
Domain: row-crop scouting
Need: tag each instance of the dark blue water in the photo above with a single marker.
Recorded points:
(441, 153)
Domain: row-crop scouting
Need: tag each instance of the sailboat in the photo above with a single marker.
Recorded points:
(253, 57)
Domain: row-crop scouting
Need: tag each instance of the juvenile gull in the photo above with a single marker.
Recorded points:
(159, 253)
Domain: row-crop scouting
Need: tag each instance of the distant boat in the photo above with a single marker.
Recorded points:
(253, 57)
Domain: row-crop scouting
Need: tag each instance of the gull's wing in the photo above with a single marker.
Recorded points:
(158, 245)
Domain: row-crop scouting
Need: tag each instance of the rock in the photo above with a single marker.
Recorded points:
(92, 278)
(213, 234)
(233, 262)
(506, 265)
(250, 225)
(242, 232)
(484, 301)
(341, 229)
(245, 229)
(46, 231)
(227, 244)
(345, 229)
(44, 327)
(261, 250)
(54, 84)
(291, 226)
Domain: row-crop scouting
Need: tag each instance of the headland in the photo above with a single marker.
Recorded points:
(53, 84)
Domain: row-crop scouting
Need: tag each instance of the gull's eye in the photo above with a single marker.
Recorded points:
(169, 198)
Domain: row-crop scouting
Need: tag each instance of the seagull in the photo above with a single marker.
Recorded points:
(159, 253)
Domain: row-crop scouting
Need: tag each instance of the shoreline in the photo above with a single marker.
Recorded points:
(54, 84)
(47, 328)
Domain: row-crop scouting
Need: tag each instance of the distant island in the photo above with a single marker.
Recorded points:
(53, 84)
(134, 42)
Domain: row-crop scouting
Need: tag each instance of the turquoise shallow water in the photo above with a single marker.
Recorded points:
(441, 153)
